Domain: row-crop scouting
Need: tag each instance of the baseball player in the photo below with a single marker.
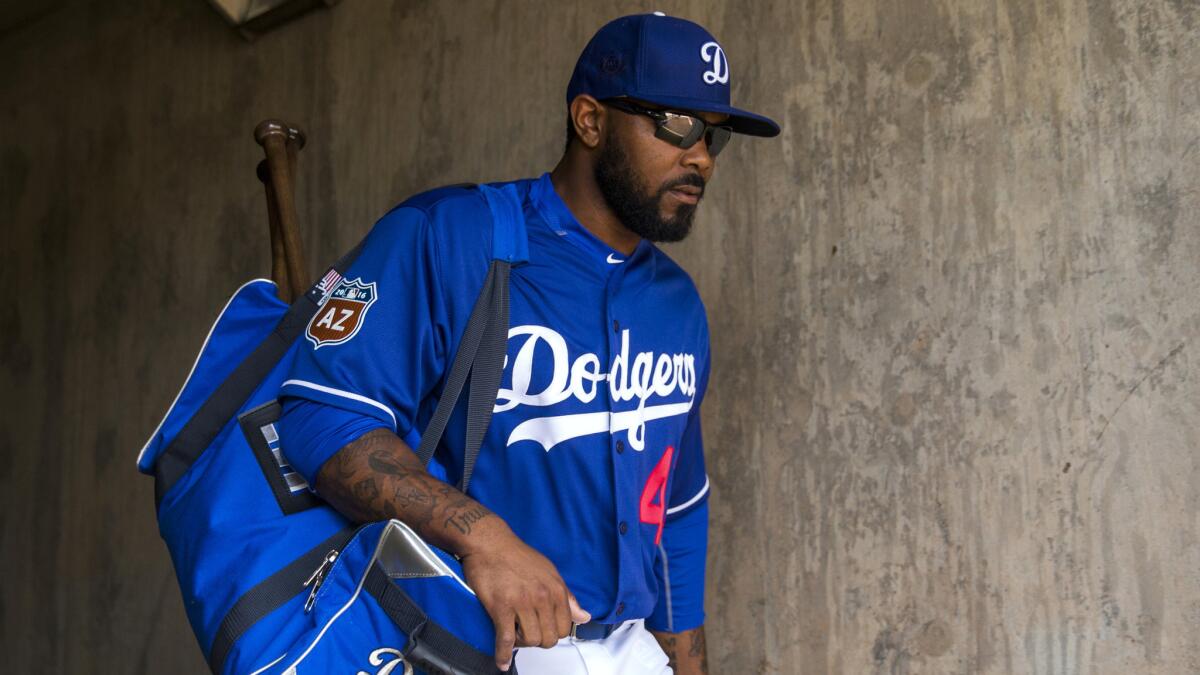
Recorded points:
(584, 529)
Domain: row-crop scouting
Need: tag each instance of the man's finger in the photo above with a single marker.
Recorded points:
(562, 614)
(577, 614)
(549, 630)
(506, 637)
(529, 629)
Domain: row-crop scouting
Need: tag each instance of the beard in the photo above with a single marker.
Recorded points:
(621, 186)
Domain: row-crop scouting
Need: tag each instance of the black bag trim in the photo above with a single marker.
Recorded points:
(223, 404)
(430, 647)
(269, 595)
(290, 501)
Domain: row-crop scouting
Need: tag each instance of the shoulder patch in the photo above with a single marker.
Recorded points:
(342, 313)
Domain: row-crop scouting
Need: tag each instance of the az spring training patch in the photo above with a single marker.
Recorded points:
(342, 315)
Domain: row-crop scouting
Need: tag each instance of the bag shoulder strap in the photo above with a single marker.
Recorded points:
(510, 242)
(480, 352)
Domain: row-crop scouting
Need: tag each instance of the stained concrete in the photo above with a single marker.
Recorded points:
(952, 421)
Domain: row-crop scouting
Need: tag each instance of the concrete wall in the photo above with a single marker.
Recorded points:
(952, 421)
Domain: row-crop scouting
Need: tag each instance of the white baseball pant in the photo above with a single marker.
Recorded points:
(630, 650)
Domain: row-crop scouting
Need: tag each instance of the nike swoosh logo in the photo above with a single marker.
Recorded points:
(612, 260)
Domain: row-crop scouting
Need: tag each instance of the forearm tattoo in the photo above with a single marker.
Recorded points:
(377, 477)
(699, 649)
(691, 659)
(463, 520)
(670, 647)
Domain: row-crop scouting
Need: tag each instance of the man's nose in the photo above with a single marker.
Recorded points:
(698, 159)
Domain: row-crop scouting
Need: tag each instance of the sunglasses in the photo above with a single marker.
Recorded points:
(678, 129)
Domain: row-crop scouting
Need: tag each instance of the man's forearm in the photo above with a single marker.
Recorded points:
(379, 477)
(687, 652)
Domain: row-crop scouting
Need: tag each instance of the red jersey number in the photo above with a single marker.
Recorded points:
(656, 490)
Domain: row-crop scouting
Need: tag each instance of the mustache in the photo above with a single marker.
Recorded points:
(692, 179)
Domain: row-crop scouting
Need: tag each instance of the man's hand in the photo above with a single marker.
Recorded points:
(378, 477)
(523, 593)
(687, 652)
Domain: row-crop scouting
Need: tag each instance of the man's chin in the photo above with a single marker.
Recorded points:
(671, 230)
(678, 214)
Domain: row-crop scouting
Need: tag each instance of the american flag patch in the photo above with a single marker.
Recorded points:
(329, 282)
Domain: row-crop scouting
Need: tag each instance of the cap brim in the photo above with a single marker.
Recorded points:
(746, 122)
(741, 121)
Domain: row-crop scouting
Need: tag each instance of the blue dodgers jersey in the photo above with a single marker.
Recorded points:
(595, 441)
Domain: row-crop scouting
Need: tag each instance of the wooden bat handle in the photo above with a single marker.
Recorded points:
(278, 257)
(295, 143)
(272, 135)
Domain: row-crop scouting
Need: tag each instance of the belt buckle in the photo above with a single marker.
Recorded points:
(594, 631)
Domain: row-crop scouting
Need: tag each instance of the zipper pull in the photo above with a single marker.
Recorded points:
(317, 578)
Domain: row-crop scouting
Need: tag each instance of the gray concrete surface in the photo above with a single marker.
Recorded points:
(952, 426)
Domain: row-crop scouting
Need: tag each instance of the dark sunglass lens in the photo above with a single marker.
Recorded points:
(684, 129)
(716, 138)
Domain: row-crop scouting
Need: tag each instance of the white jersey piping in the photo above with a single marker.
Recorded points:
(344, 394)
(703, 491)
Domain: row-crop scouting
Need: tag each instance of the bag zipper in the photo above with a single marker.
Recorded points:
(318, 578)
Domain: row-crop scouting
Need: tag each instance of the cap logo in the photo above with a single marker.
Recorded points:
(712, 53)
(611, 64)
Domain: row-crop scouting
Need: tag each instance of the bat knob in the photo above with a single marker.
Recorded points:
(269, 128)
(296, 136)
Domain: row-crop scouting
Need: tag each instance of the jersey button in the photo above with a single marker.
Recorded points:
(616, 326)
(620, 447)
(624, 527)
(620, 608)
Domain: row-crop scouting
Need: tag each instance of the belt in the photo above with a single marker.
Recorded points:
(593, 630)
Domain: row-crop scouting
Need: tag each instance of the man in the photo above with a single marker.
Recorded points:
(586, 521)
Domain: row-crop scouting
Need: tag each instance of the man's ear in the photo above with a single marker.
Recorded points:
(590, 120)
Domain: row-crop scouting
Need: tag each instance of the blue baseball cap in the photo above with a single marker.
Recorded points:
(664, 60)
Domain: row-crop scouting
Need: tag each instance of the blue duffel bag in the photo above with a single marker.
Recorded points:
(274, 580)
